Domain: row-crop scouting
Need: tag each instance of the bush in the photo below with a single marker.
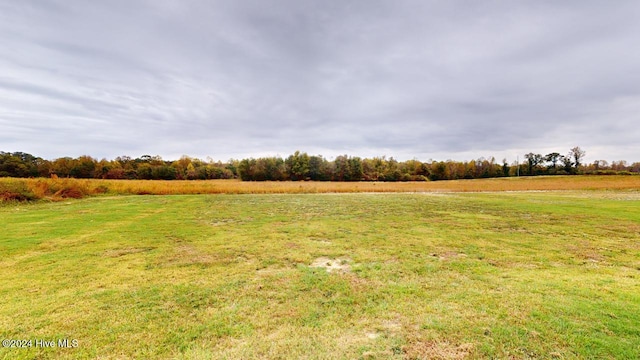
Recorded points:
(605, 172)
(15, 191)
(6, 196)
(69, 192)
(101, 189)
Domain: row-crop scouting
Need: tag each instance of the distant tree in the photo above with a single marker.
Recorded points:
(123, 159)
(232, 166)
(533, 160)
(355, 169)
(301, 166)
(19, 164)
(163, 172)
(553, 158)
(12, 166)
(44, 167)
(144, 172)
(489, 168)
(181, 166)
(157, 160)
(438, 171)
(458, 170)
(577, 154)
(567, 164)
(116, 173)
(297, 166)
(262, 169)
(392, 172)
(102, 168)
(341, 170)
(128, 166)
(319, 169)
(374, 169)
(469, 169)
(83, 167)
(273, 168)
(411, 170)
(190, 172)
(62, 166)
(620, 165)
(600, 164)
(245, 169)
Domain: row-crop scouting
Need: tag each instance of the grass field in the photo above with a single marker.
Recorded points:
(551, 275)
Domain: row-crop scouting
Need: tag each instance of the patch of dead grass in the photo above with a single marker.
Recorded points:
(187, 254)
(448, 255)
(332, 265)
(82, 187)
(436, 350)
(114, 253)
(585, 251)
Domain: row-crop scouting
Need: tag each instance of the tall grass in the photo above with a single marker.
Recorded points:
(49, 189)
(56, 189)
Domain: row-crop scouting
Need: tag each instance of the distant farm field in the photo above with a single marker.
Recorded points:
(324, 276)
(56, 189)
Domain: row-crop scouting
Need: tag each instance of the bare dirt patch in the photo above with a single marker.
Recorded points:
(373, 335)
(321, 241)
(387, 328)
(222, 222)
(332, 265)
(392, 325)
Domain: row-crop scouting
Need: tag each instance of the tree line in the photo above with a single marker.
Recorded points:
(301, 166)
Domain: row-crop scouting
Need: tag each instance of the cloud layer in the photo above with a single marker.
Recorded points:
(424, 79)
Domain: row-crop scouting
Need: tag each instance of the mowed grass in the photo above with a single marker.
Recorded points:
(447, 276)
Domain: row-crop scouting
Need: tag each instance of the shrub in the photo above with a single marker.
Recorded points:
(6, 196)
(69, 192)
(101, 189)
(15, 191)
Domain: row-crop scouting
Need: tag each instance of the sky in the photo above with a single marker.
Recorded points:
(409, 79)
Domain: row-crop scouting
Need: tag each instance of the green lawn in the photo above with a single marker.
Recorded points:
(503, 275)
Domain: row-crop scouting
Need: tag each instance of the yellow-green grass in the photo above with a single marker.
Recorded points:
(56, 189)
(457, 275)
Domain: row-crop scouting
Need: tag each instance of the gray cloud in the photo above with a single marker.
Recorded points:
(424, 79)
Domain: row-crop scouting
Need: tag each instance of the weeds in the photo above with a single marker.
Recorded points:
(14, 190)
(57, 189)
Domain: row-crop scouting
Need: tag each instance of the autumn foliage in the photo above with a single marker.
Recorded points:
(302, 167)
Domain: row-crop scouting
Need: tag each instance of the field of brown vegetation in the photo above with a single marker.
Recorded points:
(53, 189)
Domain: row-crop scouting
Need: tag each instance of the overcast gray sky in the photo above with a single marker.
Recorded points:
(247, 78)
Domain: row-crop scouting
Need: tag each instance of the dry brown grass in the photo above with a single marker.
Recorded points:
(331, 265)
(437, 350)
(56, 189)
(478, 185)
